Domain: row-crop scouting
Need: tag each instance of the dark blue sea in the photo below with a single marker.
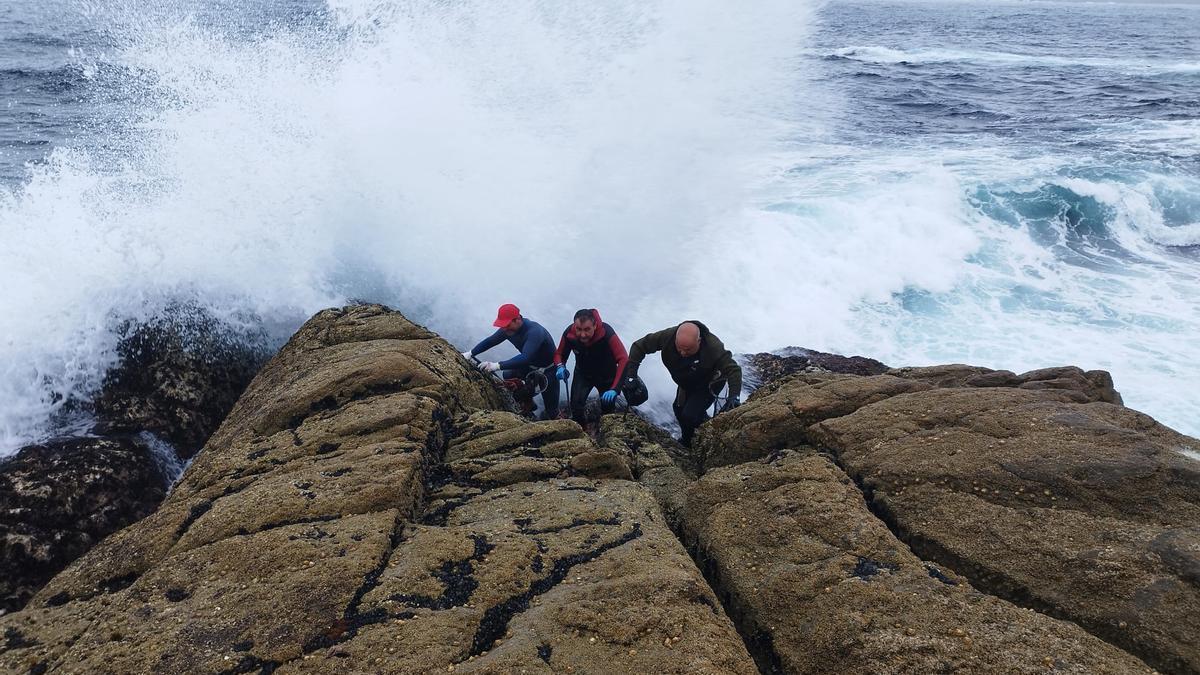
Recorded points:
(1009, 184)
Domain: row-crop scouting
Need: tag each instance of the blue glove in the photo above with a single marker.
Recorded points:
(608, 396)
(562, 373)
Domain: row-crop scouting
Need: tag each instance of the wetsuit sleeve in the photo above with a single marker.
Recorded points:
(729, 368)
(562, 353)
(618, 351)
(528, 351)
(651, 343)
(489, 342)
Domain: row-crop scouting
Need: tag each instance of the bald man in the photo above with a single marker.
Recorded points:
(700, 366)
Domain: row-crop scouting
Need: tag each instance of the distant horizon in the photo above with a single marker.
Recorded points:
(1165, 3)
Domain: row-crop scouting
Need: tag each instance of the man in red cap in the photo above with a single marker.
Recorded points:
(535, 345)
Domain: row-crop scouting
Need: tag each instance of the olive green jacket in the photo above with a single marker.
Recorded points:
(716, 362)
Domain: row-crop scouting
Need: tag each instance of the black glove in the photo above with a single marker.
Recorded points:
(731, 403)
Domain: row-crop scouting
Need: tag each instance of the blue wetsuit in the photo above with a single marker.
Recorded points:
(537, 351)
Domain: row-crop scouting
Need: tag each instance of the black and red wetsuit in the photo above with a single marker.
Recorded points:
(599, 363)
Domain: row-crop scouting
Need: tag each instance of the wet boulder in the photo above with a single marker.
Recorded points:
(779, 419)
(1086, 511)
(818, 585)
(1074, 383)
(177, 377)
(59, 498)
(767, 368)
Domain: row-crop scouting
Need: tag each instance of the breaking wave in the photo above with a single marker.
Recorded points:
(660, 160)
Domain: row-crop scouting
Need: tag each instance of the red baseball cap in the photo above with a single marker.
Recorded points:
(506, 314)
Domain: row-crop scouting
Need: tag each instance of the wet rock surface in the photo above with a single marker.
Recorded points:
(177, 378)
(659, 462)
(1039, 488)
(373, 505)
(1084, 511)
(1073, 383)
(768, 368)
(784, 409)
(777, 418)
(60, 498)
(562, 575)
(821, 585)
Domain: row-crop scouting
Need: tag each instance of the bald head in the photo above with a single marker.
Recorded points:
(687, 339)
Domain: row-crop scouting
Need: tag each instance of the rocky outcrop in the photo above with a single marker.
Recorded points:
(1074, 383)
(60, 498)
(367, 505)
(777, 418)
(537, 553)
(765, 369)
(657, 459)
(821, 586)
(1084, 511)
(786, 407)
(1038, 488)
(371, 504)
(176, 379)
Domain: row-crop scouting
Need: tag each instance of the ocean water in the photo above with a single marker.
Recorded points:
(1009, 184)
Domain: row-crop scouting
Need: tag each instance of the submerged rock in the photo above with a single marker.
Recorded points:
(59, 498)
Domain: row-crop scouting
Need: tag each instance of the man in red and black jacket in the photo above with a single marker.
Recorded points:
(599, 361)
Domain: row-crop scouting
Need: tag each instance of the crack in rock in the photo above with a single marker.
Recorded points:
(935, 573)
(615, 519)
(113, 585)
(347, 627)
(439, 515)
(496, 619)
(194, 514)
(457, 579)
(297, 521)
(14, 639)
